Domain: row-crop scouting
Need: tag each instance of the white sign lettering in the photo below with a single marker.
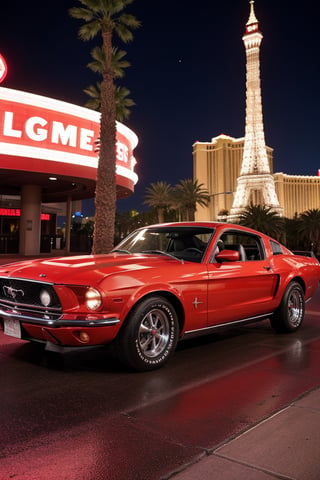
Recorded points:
(33, 131)
(122, 152)
(65, 135)
(86, 139)
(38, 129)
(8, 130)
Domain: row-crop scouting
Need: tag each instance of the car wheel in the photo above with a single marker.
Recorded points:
(290, 313)
(150, 335)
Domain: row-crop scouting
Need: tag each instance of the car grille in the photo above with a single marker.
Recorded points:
(24, 297)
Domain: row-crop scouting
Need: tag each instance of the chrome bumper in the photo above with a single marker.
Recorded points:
(48, 322)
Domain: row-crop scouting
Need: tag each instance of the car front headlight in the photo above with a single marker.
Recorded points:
(45, 297)
(93, 299)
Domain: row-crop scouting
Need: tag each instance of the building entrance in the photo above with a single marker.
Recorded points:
(9, 231)
(9, 234)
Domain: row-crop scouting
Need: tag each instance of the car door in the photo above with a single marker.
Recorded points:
(243, 288)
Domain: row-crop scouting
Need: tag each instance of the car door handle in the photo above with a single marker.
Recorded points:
(267, 267)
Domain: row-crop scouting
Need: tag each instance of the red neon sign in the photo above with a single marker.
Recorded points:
(15, 212)
(62, 136)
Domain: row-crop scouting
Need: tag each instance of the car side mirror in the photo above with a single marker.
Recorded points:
(228, 256)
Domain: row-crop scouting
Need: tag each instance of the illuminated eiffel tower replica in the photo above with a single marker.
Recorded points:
(255, 185)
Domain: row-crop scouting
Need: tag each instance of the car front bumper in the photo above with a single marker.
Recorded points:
(67, 330)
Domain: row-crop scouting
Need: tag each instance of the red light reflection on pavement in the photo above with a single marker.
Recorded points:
(211, 412)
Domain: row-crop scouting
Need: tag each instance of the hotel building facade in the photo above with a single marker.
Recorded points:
(239, 171)
(217, 166)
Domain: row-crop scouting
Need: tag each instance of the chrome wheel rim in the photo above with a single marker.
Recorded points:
(295, 308)
(154, 332)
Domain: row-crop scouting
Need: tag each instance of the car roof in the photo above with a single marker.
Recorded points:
(207, 224)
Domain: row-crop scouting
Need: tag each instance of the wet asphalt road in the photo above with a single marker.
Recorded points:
(82, 417)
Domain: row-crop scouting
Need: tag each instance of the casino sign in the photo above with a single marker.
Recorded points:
(48, 154)
(41, 138)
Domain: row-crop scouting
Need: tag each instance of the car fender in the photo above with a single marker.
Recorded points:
(297, 273)
(121, 300)
(172, 294)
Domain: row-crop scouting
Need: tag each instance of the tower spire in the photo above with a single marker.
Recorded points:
(256, 183)
(252, 16)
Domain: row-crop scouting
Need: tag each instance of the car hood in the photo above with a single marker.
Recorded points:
(83, 269)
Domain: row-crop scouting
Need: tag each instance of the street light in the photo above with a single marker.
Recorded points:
(219, 193)
(212, 195)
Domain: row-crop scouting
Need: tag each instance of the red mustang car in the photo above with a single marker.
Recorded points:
(160, 284)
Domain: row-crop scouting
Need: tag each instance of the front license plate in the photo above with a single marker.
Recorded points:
(12, 327)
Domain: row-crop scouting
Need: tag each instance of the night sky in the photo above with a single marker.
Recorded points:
(187, 76)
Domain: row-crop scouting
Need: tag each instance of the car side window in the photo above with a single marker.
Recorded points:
(249, 246)
(275, 247)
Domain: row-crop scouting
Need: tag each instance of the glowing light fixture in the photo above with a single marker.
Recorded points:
(3, 68)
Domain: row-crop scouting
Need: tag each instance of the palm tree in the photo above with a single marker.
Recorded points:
(310, 228)
(106, 17)
(123, 103)
(159, 196)
(121, 93)
(94, 92)
(189, 194)
(262, 218)
(117, 61)
(121, 99)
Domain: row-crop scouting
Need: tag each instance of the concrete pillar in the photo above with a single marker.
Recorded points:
(30, 223)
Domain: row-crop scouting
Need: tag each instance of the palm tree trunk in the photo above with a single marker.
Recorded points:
(105, 197)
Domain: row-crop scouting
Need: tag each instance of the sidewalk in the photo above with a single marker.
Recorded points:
(284, 446)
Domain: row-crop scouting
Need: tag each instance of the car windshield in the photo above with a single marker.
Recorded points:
(186, 243)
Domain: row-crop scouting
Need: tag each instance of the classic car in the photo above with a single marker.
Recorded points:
(161, 284)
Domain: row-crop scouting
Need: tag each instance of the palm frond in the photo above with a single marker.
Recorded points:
(81, 13)
(89, 30)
